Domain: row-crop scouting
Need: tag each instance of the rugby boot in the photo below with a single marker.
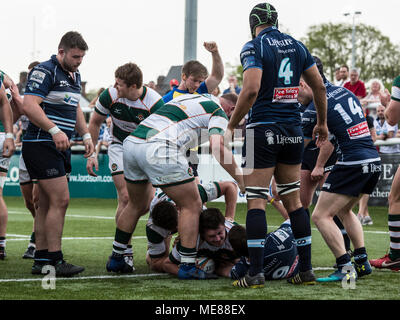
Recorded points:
(191, 272)
(2, 253)
(256, 281)
(29, 253)
(386, 263)
(116, 263)
(363, 269)
(303, 277)
(64, 269)
(128, 257)
(339, 274)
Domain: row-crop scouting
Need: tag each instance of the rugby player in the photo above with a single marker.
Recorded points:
(272, 65)
(7, 148)
(51, 102)
(128, 103)
(280, 253)
(355, 173)
(392, 259)
(163, 220)
(154, 156)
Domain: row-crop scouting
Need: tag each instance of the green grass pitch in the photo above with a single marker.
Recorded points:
(87, 241)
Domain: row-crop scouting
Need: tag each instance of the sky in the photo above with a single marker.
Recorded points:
(151, 33)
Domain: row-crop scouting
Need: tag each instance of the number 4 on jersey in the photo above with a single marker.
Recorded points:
(285, 71)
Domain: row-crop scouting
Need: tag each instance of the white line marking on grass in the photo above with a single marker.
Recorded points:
(88, 277)
(83, 238)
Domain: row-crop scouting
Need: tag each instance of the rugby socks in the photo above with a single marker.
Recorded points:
(3, 242)
(301, 228)
(394, 231)
(128, 251)
(343, 260)
(121, 241)
(188, 255)
(41, 257)
(360, 255)
(346, 238)
(256, 230)
(54, 257)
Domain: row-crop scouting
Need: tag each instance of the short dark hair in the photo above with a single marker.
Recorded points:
(232, 97)
(165, 215)
(194, 68)
(238, 240)
(71, 40)
(33, 64)
(211, 218)
(131, 74)
(345, 66)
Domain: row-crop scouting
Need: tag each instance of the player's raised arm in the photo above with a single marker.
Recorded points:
(217, 71)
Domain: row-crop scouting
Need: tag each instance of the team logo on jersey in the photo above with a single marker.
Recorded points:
(114, 167)
(270, 137)
(37, 76)
(140, 117)
(190, 171)
(286, 95)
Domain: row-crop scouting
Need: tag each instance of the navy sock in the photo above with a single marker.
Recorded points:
(300, 222)
(41, 256)
(346, 238)
(256, 230)
(343, 261)
(55, 256)
(360, 255)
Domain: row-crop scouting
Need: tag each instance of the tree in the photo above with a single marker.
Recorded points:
(376, 55)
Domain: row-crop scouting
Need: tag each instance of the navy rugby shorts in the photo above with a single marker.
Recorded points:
(269, 144)
(44, 161)
(310, 159)
(353, 180)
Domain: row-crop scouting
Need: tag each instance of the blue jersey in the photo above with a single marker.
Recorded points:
(282, 59)
(175, 92)
(60, 93)
(347, 123)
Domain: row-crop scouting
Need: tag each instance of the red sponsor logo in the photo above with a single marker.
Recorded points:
(358, 131)
(288, 95)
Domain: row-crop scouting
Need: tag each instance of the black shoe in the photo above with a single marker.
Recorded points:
(64, 269)
(37, 268)
(306, 278)
(256, 281)
(2, 253)
(29, 253)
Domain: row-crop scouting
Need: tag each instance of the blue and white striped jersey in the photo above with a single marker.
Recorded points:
(60, 93)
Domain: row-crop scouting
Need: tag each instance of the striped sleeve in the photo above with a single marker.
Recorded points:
(396, 89)
(104, 102)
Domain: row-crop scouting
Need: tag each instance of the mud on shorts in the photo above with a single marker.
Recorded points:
(159, 162)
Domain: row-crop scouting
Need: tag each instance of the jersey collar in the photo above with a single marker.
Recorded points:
(267, 30)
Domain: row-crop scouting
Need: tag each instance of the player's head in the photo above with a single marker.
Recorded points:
(212, 227)
(262, 14)
(165, 215)
(320, 67)
(238, 240)
(193, 74)
(71, 50)
(305, 95)
(32, 65)
(128, 80)
(228, 102)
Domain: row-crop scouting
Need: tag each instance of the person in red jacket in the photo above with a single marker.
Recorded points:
(355, 85)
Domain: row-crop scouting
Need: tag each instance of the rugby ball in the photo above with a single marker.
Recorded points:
(205, 264)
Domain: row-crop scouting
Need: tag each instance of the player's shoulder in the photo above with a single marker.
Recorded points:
(396, 82)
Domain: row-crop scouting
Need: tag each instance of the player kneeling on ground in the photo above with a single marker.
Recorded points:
(163, 220)
(212, 243)
(280, 253)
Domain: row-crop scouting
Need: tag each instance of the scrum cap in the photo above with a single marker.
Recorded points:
(262, 13)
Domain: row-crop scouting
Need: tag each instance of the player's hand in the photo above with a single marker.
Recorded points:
(317, 173)
(8, 147)
(89, 147)
(321, 133)
(92, 162)
(61, 140)
(228, 137)
(211, 46)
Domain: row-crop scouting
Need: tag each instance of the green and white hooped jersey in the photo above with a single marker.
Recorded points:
(127, 114)
(396, 89)
(156, 235)
(181, 120)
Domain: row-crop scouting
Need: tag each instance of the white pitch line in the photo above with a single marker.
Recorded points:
(83, 238)
(88, 277)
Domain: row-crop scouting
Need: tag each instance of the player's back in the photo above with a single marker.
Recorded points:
(346, 121)
(282, 59)
(181, 120)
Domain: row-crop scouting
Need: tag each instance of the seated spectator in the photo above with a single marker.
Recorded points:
(104, 135)
(76, 139)
(373, 98)
(151, 85)
(385, 131)
(355, 85)
(233, 86)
